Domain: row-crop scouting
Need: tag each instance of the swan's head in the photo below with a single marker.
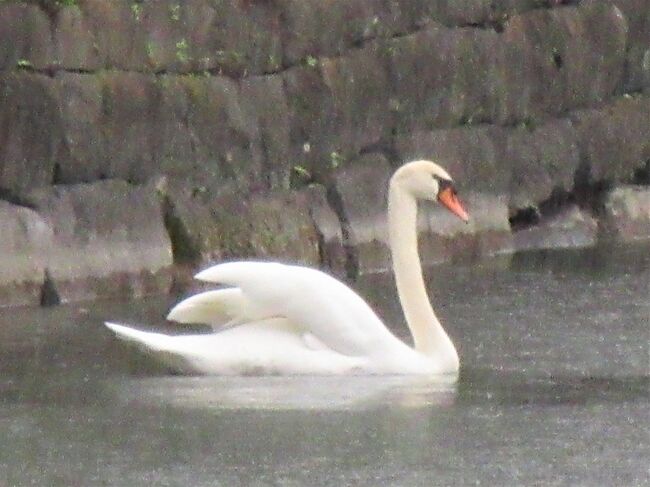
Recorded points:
(426, 180)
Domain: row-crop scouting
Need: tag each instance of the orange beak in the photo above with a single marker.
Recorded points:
(448, 198)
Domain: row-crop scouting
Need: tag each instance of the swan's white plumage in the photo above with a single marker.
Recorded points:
(274, 318)
(268, 347)
(303, 321)
(309, 298)
(220, 308)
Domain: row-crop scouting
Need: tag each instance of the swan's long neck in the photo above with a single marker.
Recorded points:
(429, 336)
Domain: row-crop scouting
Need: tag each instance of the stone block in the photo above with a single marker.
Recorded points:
(313, 126)
(169, 124)
(30, 130)
(637, 69)
(129, 107)
(168, 45)
(541, 161)
(109, 239)
(480, 12)
(220, 131)
(26, 240)
(572, 56)
(264, 101)
(291, 238)
(597, 59)
(120, 40)
(570, 228)
(627, 213)
(244, 38)
(444, 237)
(182, 37)
(441, 77)
(396, 17)
(74, 41)
(232, 38)
(215, 227)
(84, 155)
(145, 114)
(189, 220)
(518, 77)
(358, 86)
(472, 155)
(526, 166)
(25, 40)
(318, 29)
(614, 140)
(174, 140)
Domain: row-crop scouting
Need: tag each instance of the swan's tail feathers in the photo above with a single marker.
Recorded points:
(147, 340)
(170, 351)
(220, 309)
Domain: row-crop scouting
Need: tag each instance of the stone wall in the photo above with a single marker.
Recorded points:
(135, 135)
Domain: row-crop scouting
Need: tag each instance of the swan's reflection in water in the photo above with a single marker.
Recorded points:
(292, 393)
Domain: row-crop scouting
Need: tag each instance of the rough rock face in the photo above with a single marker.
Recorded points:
(614, 140)
(107, 238)
(26, 239)
(277, 225)
(271, 128)
(571, 227)
(627, 213)
(30, 130)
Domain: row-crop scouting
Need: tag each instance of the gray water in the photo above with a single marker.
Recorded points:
(554, 390)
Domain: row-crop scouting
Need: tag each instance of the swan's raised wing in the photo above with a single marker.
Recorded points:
(221, 308)
(307, 298)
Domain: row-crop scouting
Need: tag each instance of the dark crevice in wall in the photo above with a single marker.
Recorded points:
(642, 174)
(589, 194)
(351, 254)
(497, 26)
(524, 218)
(184, 250)
(15, 199)
(323, 256)
(56, 174)
(49, 294)
(558, 200)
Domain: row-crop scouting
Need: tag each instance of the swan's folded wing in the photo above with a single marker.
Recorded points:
(311, 299)
(220, 308)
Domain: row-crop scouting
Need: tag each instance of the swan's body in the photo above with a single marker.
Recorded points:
(280, 319)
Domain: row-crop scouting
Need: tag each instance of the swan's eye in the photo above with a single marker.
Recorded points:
(444, 184)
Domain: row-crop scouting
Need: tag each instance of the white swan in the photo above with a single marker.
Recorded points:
(282, 319)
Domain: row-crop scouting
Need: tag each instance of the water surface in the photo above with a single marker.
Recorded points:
(554, 390)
